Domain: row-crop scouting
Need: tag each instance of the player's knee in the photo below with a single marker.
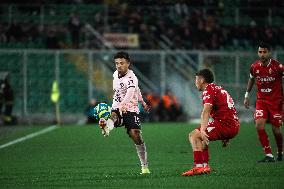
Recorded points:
(259, 127)
(260, 123)
(193, 134)
(276, 130)
(136, 136)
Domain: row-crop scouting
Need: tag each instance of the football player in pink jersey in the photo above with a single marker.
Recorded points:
(267, 73)
(217, 104)
(125, 110)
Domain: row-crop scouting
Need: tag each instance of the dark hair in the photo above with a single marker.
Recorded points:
(122, 54)
(264, 45)
(206, 74)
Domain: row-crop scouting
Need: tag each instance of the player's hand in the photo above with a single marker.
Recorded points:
(122, 109)
(225, 143)
(246, 103)
(204, 137)
(146, 107)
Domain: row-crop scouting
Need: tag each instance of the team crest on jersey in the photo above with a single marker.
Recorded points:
(270, 71)
(277, 116)
(257, 71)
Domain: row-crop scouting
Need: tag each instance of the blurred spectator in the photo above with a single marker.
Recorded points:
(153, 100)
(52, 41)
(170, 107)
(74, 26)
(201, 25)
(89, 112)
(14, 32)
(6, 99)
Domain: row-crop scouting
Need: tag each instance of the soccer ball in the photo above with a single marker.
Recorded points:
(102, 110)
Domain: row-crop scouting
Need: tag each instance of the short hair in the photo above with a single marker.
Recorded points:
(264, 45)
(206, 74)
(122, 54)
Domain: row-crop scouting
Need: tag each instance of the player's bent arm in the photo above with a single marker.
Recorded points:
(204, 122)
(205, 114)
(144, 104)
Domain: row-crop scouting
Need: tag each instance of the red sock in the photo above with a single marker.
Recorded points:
(279, 142)
(198, 159)
(205, 154)
(263, 138)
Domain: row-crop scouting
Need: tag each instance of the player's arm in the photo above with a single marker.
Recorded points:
(249, 88)
(205, 114)
(144, 104)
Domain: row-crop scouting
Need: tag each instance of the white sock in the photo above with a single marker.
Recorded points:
(199, 165)
(142, 154)
(110, 124)
(269, 155)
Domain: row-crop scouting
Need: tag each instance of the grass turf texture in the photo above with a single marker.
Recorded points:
(79, 157)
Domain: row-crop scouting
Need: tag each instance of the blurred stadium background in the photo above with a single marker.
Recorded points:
(168, 42)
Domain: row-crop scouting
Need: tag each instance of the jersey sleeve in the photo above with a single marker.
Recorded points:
(208, 96)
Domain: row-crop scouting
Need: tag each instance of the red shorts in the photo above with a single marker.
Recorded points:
(271, 111)
(220, 130)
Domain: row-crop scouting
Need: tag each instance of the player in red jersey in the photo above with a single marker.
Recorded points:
(218, 104)
(267, 73)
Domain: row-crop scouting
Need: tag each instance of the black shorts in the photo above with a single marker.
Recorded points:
(130, 120)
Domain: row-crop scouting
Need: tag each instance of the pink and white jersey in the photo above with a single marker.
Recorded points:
(223, 108)
(122, 85)
(268, 79)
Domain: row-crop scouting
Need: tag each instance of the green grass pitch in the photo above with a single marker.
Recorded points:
(80, 157)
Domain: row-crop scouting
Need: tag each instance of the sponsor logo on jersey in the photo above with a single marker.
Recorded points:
(265, 79)
(266, 90)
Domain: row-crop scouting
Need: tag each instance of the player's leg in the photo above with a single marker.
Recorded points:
(197, 148)
(205, 155)
(141, 149)
(275, 118)
(264, 141)
(108, 125)
(215, 131)
(132, 124)
(261, 116)
(279, 141)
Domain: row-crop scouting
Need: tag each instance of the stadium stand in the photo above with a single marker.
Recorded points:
(167, 28)
(201, 24)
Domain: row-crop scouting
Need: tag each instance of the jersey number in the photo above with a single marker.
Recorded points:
(230, 101)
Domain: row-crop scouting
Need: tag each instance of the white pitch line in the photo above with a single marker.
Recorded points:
(29, 136)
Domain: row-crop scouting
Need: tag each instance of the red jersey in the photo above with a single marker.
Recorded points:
(223, 105)
(268, 79)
